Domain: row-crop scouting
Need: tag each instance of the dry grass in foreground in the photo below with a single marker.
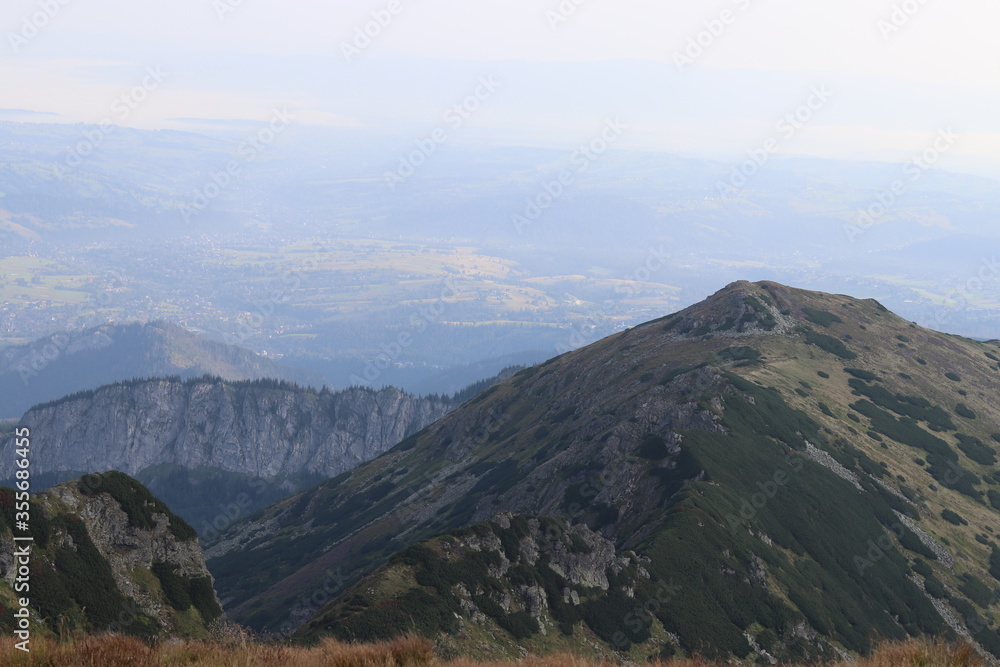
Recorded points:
(117, 651)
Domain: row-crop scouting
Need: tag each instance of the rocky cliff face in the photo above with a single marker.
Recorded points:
(261, 428)
(108, 556)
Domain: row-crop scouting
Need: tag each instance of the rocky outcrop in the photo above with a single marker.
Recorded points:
(258, 428)
(523, 581)
(108, 556)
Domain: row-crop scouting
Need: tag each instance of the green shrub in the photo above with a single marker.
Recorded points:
(910, 541)
(821, 317)
(862, 374)
(994, 497)
(976, 449)
(652, 447)
(823, 374)
(964, 411)
(954, 377)
(922, 568)
(203, 598)
(520, 624)
(978, 592)
(829, 344)
(741, 353)
(953, 518)
(935, 587)
(174, 587)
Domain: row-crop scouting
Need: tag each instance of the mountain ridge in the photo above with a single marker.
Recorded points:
(71, 361)
(755, 445)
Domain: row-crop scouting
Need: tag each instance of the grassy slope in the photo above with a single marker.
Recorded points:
(582, 417)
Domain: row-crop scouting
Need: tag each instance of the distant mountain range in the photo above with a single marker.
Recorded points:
(71, 361)
(770, 474)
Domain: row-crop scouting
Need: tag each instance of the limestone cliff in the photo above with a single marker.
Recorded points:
(257, 428)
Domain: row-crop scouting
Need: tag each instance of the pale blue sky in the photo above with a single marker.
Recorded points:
(893, 88)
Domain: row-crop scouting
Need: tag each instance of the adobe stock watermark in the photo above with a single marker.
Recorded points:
(248, 150)
(639, 619)
(418, 324)
(230, 513)
(224, 8)
(365, 35)
(878, 549)
(901, 14)
(454, 117)
(766, 491)
(588, 331)
(562, 13)
(580, 162)
(913, 170)
(33, 24)
(712, 31)
(121, 109)
(785, 130)
(306, 605)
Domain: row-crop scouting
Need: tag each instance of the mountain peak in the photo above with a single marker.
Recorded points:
(741, 308)
(744, 308)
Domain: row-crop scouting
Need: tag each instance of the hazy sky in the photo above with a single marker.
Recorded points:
(891, 74)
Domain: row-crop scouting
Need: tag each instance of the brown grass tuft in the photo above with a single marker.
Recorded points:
(240, 650)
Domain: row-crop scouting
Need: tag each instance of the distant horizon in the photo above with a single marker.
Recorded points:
(692, 81)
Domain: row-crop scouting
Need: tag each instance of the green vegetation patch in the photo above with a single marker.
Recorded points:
(739, 353)
(184, 592)
(978, 592)
(82, 584)
(862, 374)
(834, 346)
(953, 518)
(907, 406)
(941, 458)
(905, 432)
(964, 411)
(821, 317)
(994, 497)
(845, 570)
(976, 449)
